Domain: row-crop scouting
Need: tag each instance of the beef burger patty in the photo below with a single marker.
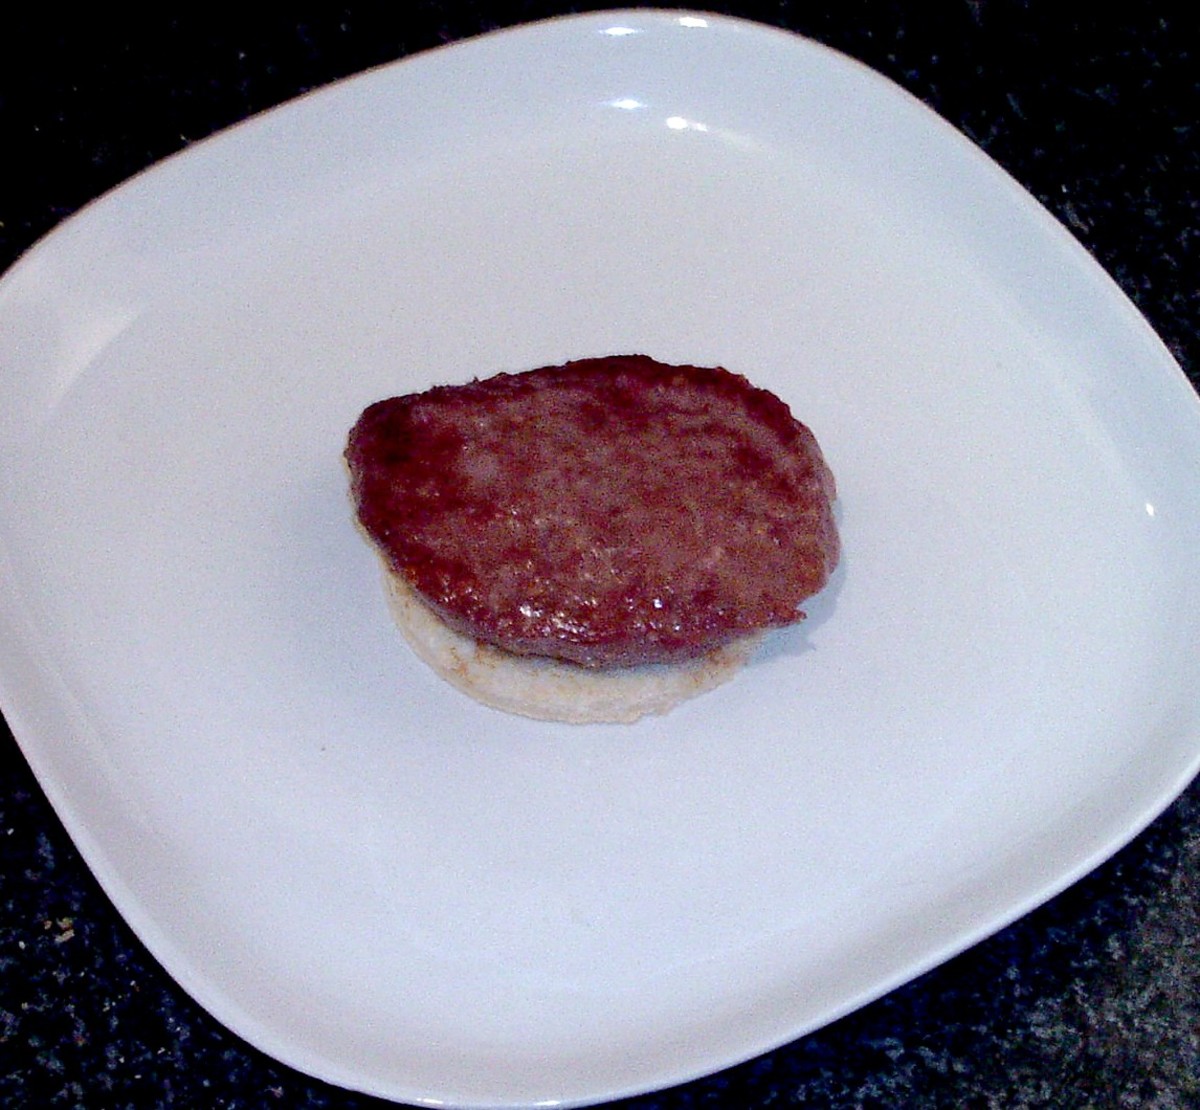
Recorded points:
(608, 512)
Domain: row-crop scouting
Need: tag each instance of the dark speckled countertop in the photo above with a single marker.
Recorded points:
(1092, 1000)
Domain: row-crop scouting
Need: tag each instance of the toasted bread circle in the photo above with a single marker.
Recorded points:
(552, 689)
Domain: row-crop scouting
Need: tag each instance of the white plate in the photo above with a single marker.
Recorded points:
(385, 885)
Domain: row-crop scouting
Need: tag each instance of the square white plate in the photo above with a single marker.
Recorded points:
(383, 884)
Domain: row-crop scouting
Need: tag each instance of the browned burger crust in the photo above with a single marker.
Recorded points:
(608, 512)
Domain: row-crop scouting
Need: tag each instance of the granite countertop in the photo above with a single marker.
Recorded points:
(1093, 999)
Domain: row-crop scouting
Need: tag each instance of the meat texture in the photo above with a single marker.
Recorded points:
(608, 512)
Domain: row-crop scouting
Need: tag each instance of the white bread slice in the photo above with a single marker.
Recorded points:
(550, 689)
